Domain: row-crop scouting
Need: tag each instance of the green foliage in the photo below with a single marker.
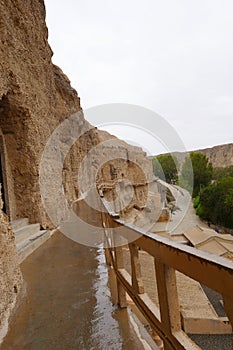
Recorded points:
(216, 202)
(229, 202)
(219, 172)
(196, 201)
(165, 167)
(196, 172)
(200, 211)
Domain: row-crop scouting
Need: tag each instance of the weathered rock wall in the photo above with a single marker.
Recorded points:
(10, 275)
(126, 178)
(35, 98)
(220, 156)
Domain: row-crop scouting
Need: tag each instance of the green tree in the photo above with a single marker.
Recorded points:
(196, 172)
(220, 172)
(165, 167)
(216, 202)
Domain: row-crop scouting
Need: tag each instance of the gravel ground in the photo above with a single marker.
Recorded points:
(215, 299)
(213, 342)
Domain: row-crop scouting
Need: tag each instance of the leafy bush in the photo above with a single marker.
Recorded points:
(196, 202)
(216, 202)
(220, 173)
(196, 172)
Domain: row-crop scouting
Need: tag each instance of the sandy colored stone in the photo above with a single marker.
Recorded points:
(36, 98)
(10, 274)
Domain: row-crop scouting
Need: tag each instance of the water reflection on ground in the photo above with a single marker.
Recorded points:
(109, 320)
(67, 305)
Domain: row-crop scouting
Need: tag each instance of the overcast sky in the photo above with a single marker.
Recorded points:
(174, 57)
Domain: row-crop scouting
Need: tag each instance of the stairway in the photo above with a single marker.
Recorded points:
(28, 237)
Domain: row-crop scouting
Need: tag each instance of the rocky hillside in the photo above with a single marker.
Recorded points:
(220, 156)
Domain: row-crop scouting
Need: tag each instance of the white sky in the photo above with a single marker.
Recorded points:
(174, 57)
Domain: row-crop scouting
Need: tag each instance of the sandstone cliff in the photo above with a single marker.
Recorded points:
(35, 98)
(10, 275)
(220, 156)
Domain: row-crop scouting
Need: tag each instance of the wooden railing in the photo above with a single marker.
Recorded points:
(169, 257)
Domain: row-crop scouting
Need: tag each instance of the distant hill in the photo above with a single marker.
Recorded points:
(220, 156)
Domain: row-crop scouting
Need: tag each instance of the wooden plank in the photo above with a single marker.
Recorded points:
(176, 341)
(213, 271)
(168, 298)
(119, 264)
(137, 283)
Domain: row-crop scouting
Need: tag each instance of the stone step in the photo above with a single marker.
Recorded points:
(19, 223)
(26, 232)
(29, 245)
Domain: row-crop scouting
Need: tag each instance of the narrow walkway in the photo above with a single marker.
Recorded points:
(183, 219)
(67, 303)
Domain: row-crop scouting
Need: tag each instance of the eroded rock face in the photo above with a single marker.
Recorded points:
(220, 156)
(127, 182)
(35, 98)
(10, 275)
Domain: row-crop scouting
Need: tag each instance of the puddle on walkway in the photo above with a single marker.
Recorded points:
(109, 321)
(67, 305)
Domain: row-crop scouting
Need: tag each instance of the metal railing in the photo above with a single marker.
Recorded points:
(169, 257)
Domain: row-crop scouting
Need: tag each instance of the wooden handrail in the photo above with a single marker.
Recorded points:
(209, 269)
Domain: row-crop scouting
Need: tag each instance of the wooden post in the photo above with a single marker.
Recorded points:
(108, 259)
(137, 283)
(107, 238)
(114, 257)
(119, 264)
(113, 285)
(168, 299)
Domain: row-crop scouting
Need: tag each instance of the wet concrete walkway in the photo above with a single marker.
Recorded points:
(67, 304)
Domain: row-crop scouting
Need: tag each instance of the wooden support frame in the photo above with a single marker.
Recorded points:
(169, 257)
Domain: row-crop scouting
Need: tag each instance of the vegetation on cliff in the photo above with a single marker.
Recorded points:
(219, 172)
